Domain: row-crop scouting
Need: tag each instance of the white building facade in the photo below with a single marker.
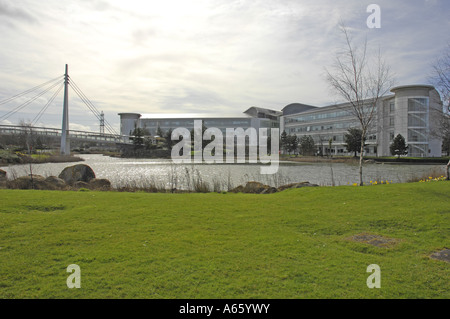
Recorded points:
(411, 111)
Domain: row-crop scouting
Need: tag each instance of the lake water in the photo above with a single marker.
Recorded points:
(163, 173)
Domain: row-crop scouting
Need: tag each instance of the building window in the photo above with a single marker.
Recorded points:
(391, 107)
(391, 136)
(417, 119)
(391, 121)
(417, 135)
(418, 105)
(418, 150)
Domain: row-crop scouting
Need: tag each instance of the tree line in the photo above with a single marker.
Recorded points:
(305, 145)
(291, 144)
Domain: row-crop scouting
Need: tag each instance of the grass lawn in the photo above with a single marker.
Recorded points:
(291, 244)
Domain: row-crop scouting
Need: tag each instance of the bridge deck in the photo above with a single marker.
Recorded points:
(74, 134)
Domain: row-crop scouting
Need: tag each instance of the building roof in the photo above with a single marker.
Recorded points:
(413, 86)
(188, 116)
(259, 112)
(294, 108)
(130, 114)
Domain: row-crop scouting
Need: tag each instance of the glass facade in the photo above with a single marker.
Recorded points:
(410, 118)
(418, 105)
(330, 125)
(418, 126)
(315, 117)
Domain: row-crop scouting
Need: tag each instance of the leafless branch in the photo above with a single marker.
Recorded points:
(360, 82)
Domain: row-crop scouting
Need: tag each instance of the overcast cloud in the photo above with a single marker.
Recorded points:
(202, 56)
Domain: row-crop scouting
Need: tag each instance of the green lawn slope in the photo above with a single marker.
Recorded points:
(293, 244)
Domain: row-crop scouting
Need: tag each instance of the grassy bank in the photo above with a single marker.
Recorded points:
(293, 244)
(318, 159)
(9, 157)
(352, 159)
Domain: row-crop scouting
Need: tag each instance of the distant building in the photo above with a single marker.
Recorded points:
(411, 111)
(253, 117)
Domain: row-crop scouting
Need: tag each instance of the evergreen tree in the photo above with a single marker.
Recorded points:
(398, 146)
(292, 143)
(307, 145)
(283, 141)
(159, 132)
(352, 140)
(168, 139)
(138, 136)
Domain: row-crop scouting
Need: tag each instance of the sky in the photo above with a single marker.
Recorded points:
(217, 57)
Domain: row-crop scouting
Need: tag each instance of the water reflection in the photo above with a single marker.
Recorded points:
(163, 173)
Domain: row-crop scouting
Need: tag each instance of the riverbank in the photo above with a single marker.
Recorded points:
(12, 158)
(370, 159)
(138, 174)
(318, 159)
(291, 244)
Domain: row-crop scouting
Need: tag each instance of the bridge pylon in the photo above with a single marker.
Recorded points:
(65, 139)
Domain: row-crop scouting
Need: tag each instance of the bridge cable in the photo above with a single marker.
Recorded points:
(91, 106)
(42, 111)
(85, 99)
(18, 108)
(94, 111)
(30, 90)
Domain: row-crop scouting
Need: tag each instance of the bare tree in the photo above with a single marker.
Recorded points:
(361, 82)
(441, 76)
(441, 80)
(27, 136)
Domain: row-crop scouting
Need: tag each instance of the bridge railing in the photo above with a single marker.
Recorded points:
(48, 131)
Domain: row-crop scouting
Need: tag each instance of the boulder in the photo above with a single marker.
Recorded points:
(36, 182)
(2, 175)
(80, 184)
(269, 190)
(29, 182)
(237, 189)
(258, 188)
(55, 182)
(3, 179)
(296, 185)
(254, 188)
(99, 184)
(77, 173)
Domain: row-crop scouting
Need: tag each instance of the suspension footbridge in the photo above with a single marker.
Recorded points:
(106, 134)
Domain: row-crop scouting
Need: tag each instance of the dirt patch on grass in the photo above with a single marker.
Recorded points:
(44, 208)
(443, 255)
(375, 240)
